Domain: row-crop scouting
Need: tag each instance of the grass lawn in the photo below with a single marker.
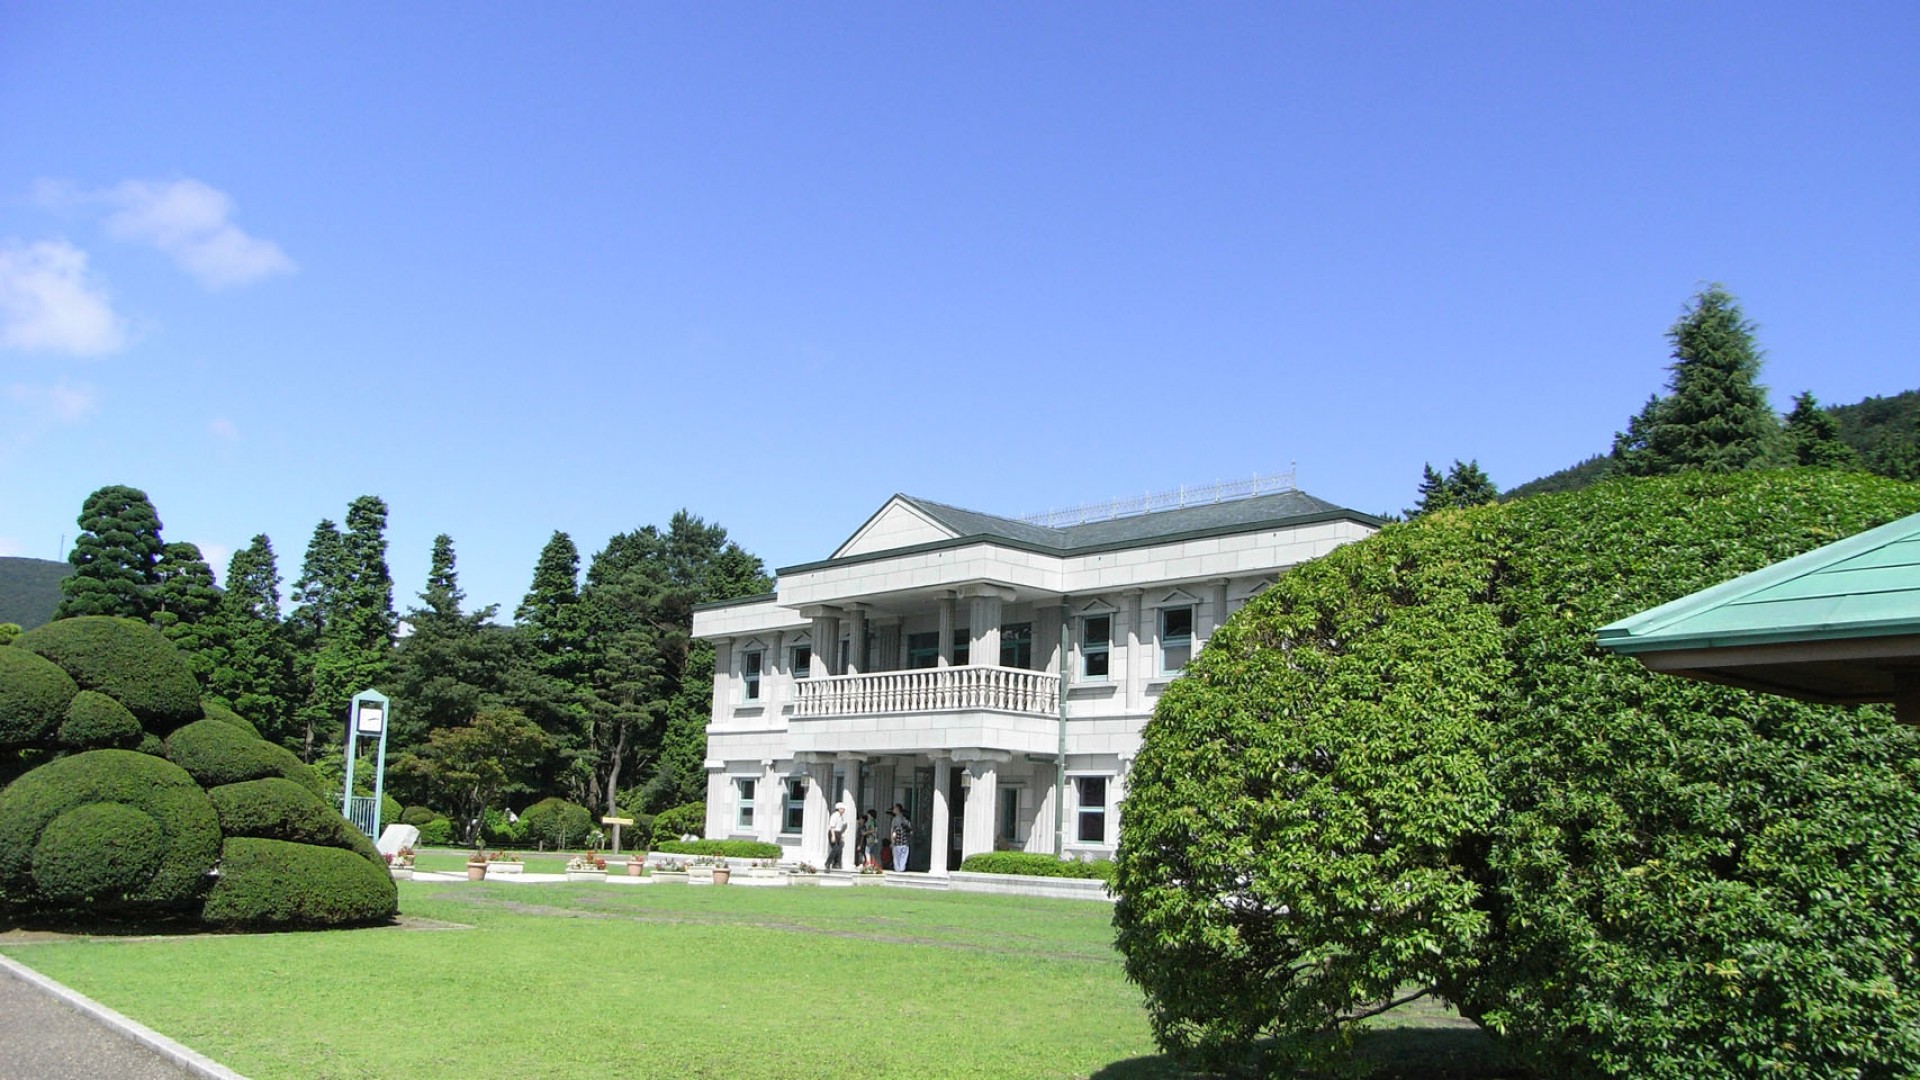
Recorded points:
(658, 980)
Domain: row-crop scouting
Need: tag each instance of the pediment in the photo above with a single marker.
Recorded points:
(898, 524)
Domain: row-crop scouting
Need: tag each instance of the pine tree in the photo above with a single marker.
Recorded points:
(452, 665)
(115, 556)
(1715, 417)
(1813, 436)
(343, 629)
(184, 600)
(316, 592)
(255, 678)
(550, 683)
(1463, 485)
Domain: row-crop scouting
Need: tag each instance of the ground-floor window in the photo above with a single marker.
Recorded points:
(1007, 822)
(796, 806)
(743, 798)
(1092, 818)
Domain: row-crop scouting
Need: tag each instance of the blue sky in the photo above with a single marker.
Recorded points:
(518, 268)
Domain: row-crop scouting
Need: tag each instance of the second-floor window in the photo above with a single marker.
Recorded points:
(923, 650)
(1016, 645)
(1096, 640)
(1176, 638)
(750, 674)
(962, 647)
(801, 663)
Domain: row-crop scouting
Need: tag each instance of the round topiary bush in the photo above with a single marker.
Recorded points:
(213, 710)
(125, 659)
(277, 884)
(218, 753)
(279, 809)
(1408, 767)
(417, 816)
(34, 695)
(97, 722)
(671, 825)
(556, 823)
(436, 833)
(52, 830)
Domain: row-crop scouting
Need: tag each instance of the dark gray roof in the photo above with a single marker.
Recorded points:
(1208, 517)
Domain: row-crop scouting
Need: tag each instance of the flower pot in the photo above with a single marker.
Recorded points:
(476, 871)
(721, 875)
(401, 873)
(700, 875)
(636, 868)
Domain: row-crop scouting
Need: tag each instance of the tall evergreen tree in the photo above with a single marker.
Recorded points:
(452, 664)
(1465, 484)
(1715, 417)
(1813, 436)
(316, 592)
(255, 677)
(550, 687)
(115, 556)
(184, 601)
(344, 625)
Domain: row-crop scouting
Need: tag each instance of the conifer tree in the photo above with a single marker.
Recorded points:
(453, 664)
(114, 557)
(255, 678)
(550, 687)
(1465, 484)
(1813, 436)
(1715, 417)
(184, 601)
(344, 625)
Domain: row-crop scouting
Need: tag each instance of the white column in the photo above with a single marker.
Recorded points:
(984, 631)
(941, 825)
(778, 691)
(722, 671)
(1042, 838)
(856, 641)
(1116, 794)
(769, 802)
(983, 803)
(851, 851)
(826, 641)
(813, 823)
(1133, 612)
(1219, 612)
(946, 630)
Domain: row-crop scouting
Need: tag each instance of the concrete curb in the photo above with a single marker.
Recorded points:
(190, 1060)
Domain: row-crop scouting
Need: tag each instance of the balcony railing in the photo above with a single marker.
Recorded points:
(1034, 693)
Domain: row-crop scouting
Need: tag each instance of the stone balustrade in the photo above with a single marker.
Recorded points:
(997, 689)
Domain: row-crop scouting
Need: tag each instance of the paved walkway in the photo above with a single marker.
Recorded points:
(48, 1032)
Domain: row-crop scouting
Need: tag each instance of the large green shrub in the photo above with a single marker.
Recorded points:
(97, 722)
(1036, 864)
(125, 659)
(498, 831)
(670, 825)
(417, 816)
(436, 833)
(556, 823)
(218, 753)
(34, 695)
(213, 710)
(279, 809)
(56, 805)
(733, 849)
(274, 883)
(1408, 767)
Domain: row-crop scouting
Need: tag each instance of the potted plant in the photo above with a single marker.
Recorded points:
(477, 866)
(587, 867)
(804, 873)
(722, 873)
(869, 875)
(670, 871)
(637, 866)
(400, 864)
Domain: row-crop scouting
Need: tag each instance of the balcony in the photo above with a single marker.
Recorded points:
(927, 690)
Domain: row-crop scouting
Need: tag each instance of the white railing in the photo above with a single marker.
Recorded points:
(1223, 491)
(1036, 693)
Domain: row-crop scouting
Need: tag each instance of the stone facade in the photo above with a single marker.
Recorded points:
(964, 665)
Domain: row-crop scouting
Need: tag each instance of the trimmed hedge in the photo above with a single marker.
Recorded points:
(34, 696)
(556, 823)
(732, 849)
(671, 825)
(218, 753)
(98, 854)
(436, 833)
(1036, 864)
(276, 884)
(97, 722)
(213, 710)
(125, 659)
(188, 830)
(417, 816)
(279, 809)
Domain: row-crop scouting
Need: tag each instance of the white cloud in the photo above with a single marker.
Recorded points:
(216, 556)
(189, 221)
(63, 401)
(223, 429)
(50, 303)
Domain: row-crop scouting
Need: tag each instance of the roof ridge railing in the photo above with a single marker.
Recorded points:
(1219, 491)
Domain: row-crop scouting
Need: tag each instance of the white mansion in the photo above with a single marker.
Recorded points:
(971, 667)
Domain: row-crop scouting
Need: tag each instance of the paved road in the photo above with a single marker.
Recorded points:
(44, 1038)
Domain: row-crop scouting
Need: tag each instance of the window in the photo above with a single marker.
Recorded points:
(1093, 809)
(1007, 824)
(1096, 638)
(796, 806)
(1016, 645)
(744, 799)
(923, 650)
(750, 673)
(801, 662)
(962, 647)
(1176, 638)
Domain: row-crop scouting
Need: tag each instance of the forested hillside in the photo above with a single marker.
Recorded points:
(29, 590)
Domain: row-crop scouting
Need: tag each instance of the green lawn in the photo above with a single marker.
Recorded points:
(657, 980)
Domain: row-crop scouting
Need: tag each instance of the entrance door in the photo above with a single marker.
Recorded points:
(956, 817)
(920, 812)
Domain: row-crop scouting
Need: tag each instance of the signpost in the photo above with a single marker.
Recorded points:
(616, 822)
(371, 712)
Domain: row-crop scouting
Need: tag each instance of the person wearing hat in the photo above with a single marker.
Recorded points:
(837, 836)
(902, 837)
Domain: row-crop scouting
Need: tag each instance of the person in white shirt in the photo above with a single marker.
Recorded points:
(837, 836)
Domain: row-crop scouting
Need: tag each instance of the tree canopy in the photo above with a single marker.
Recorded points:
(114, 557)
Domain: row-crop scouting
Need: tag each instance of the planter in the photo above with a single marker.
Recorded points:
(476, 871)
(804, 879)
(669, 877)
(721, 875)
(700, 875)
(586, 875)
(869, 879)
(763, 872)
(401, 873)
(637, 868)
(498, 867)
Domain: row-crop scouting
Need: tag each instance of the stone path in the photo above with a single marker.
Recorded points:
(52, 1033)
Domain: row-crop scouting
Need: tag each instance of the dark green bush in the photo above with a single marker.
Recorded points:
(279, 809)
(389, 811)
(100, 855)
(213, 710)
(188, 829)
(152, 744)
(556, 823)
(671, 825)
(34, 695)
(1036, 864)
(97, 722)
(125, 659)
(417, 816)
(276, 884)
(436, 833)
(217, 753)
(499, 832)
(732, 849)
(1408, 765)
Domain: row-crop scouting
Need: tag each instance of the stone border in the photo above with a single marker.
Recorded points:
(191, 1060)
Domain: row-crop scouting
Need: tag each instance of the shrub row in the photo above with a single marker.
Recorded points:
(275, 883)
(732, 849)
(1036, 864)
(671, 825)
(436, 833)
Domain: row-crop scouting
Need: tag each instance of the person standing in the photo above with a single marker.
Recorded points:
(870, 837)
(837, 836)
(902, 837)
